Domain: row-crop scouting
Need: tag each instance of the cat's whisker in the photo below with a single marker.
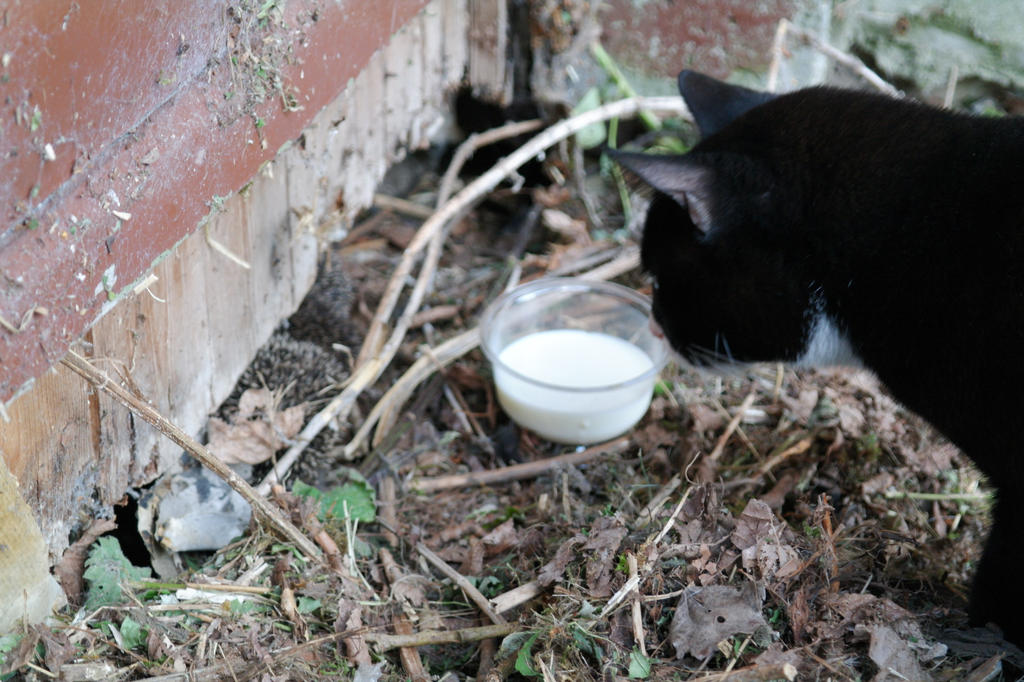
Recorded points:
(728, 351)
(714, 362)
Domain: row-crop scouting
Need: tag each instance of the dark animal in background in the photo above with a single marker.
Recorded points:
(835, 227)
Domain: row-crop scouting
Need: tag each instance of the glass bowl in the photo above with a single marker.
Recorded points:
(574, 360)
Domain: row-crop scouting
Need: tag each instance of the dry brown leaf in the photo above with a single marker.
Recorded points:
(651, 435)
(72, 563)
(350, 619)
(473, 559)
(878, 483)
(565, 225)
(58, 647)
(775, 655)
(775, 561)
(606, 534)
(552, 571)
(259, 429)
(706, 567)
(705, 418)
(398, 232)
(763, 540)
(565, 255)
(858, 608)
(799, 613)
(893, 655)
(263, 402)
(409, 590)
(255, 400)
(707, 615)
(289, 607)
(251, 442)
(550, 197)
(756, 521)
(803, 405)
(897, 642)
(501, 538)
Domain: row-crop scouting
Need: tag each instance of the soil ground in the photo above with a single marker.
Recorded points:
(759, 519)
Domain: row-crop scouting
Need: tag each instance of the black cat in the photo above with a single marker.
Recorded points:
(835, 227)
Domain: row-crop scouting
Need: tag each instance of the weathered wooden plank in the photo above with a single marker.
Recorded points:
(488, 48)
(75, 453)
(199, 122)
(428, 117)
(455, 20)
(49, 446)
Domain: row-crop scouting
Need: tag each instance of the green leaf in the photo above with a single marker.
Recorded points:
(105, 570)
(7, 645)
(586, 642)
(133, 635)
(639, 665)
(356, 497)
(662, 388)
(523, 666)
(240, 607)
(307, 605)
(593, 135)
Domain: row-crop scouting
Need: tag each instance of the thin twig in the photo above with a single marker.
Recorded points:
(223, 250)
(778, 47)
(474, 142)
(516, 596)
(376, 354)
(801, 446)
(636, 578)
(435, 314)
(590, 260)
(264, 509)
(615, 73)
(374, 345)
(386, 509)
(731, 427)
(386, 409)
(399, 205)
(637, 614)
(844, 58)
(739, 431)
(755, 673)
(518, 472)
(672, 517)
(223, 671)
(25, 319)
(954, 76)
(626, 261)
(409, 655)
(384, 641)
(474, 594)
(646, 515)
(939, 497)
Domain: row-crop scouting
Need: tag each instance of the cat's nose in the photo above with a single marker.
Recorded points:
(656, 328)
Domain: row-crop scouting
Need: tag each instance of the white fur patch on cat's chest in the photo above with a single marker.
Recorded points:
(826, 345)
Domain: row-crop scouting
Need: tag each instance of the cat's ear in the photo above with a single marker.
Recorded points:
(678, 177)
(715, 104)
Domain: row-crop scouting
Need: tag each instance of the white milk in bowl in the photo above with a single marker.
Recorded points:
(574, 386)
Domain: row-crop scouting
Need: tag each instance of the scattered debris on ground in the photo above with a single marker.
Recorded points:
(757, 525)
